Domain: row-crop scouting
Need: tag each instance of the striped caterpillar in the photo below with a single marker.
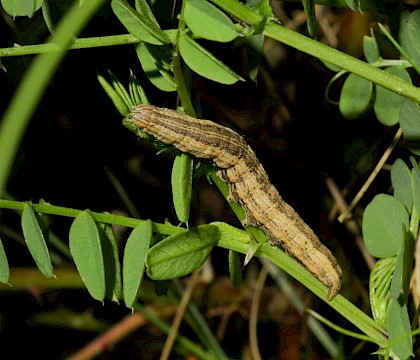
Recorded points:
(248, 182)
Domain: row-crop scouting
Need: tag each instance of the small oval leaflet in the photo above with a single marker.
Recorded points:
(384, 221)
(355, 96)
(113, 283)
(139, 25)
(181, 181)
(4, 265)
(204, 63)
(134, 261)
(207, 21)
(387, 104)
(179, 255)
(34, 238)
(86, 249)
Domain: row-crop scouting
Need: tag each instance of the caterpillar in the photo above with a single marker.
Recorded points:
(248, 183)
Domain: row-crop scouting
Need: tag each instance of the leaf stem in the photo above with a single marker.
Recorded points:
(344, 61)
(265, 250)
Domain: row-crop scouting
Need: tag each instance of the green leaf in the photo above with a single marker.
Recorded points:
(385, 221)
(137, 93)
(232, 234)
(34, 238)
(354, 5)
(138, 25)
(182, 186)
(309, 8)
(121, 90)
(155, 61)
(403, 267)
(4, 266)
(398, 325)
(113, 283)
(207, 21)
(401, 181)
(143, 8)
(410, 124)
(235, 268)
(413, 26)
(415, 187)
(134, 261)
(179, 255)
(408, 32)
(204, 63)
(355, 96)
(387, 104)
(371, 49)
(86, 249)
(116, 98)
(254, 55)
(380, 288)
(21, 7)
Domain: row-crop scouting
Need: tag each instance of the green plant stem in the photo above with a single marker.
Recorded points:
(399, 48)
(80, 43)
(181, 86)
(33, 85)
(342, 60)
(275, 31)
(100, 217)
(265, 250)
(344, 307)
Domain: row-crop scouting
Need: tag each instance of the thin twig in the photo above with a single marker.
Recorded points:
(351, 224)
(253, 316)
(110, 338)
(372, 176)
(179, 315)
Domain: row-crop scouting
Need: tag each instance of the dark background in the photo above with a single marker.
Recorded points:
(76, 134)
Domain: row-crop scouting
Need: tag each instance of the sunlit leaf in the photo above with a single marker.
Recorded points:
(371, 49)
(181, 182)
(398, 325)
(209, 22)
(401, 181)
(4, 265)
(385, 221)
(113, 283)
(155, 61)
(380, 288)
(408, 35)
(179, 255)
(21, 7)
(410, 124)
(34, 238)
(355, 96)
(387, 104)
(413, 26)
(204, 63)
(134, 261)
(309, 7)
(138, 25)
(86, 249)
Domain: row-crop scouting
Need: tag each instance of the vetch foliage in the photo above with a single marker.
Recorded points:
(390, 223)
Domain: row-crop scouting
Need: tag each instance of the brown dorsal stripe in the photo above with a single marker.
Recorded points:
(248, 182)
